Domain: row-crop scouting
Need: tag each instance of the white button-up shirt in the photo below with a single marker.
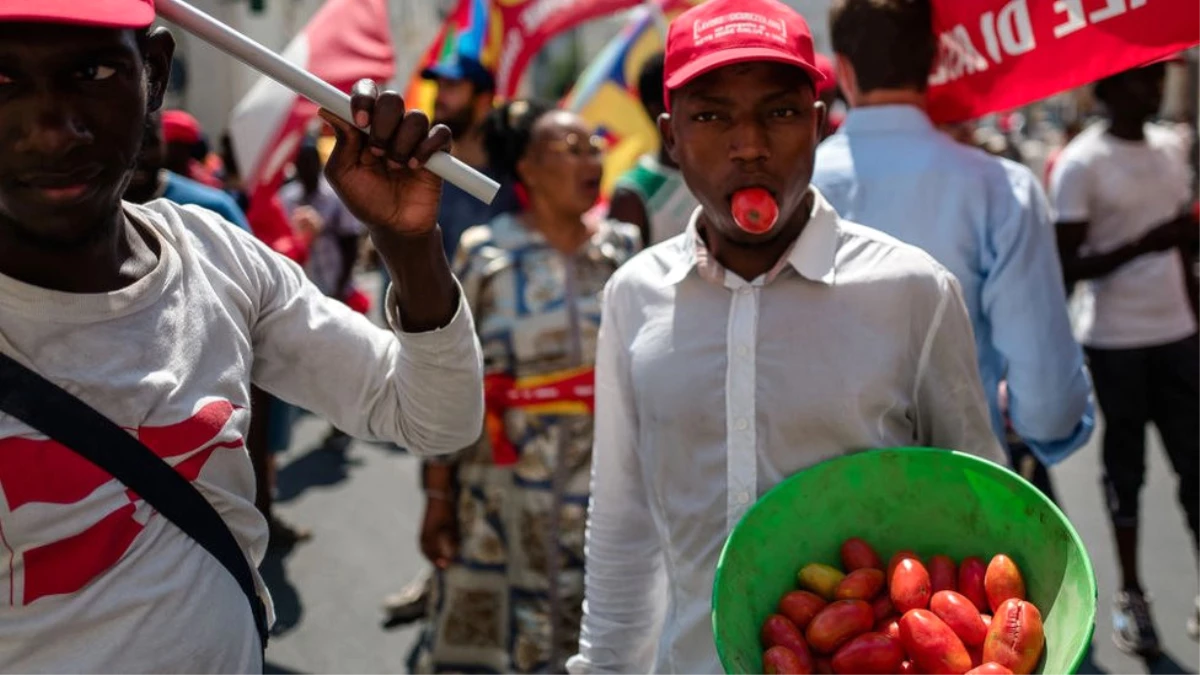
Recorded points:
(711, 389)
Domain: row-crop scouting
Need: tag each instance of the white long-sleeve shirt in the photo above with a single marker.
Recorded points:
(710, 390)
(94, 580)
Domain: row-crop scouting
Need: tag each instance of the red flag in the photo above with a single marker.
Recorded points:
(997, 55)
(344, 42)
(529, 24)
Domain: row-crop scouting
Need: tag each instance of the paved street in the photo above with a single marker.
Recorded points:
(364, 508)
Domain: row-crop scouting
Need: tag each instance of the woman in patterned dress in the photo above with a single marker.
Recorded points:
(504, 519)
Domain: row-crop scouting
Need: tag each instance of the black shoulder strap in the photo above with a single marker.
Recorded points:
(53, 411)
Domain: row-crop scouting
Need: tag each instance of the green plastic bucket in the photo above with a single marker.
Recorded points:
(931, 501)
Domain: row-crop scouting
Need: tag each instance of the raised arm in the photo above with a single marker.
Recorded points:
(423, 386)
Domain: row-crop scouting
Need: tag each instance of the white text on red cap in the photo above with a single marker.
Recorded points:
(739, 23)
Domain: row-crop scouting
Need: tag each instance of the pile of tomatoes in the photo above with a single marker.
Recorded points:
(942, 618)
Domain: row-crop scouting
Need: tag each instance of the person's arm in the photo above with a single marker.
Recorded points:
(378, 172)
(422, 391)
(1070, 195)
(951, 409)
(422, 386)
(622, 546)
(626, 206)
(1049, 393)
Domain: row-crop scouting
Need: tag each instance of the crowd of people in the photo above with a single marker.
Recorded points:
(598, 388)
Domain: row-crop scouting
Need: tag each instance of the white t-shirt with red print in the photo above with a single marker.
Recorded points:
(94, 580)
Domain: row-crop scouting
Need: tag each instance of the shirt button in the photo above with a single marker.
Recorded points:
(743, 498)
(742, 424)
(742, 350)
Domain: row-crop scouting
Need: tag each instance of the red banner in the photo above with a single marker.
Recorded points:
(996, 55)
(529, 24)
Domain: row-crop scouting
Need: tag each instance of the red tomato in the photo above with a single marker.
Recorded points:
(933, 647)
(755, 210)
(800, 607)
(962, 617)
(778, 631)
(1016, 638)
(943, 573)
(783, 661)
(909, 586)
(868, 653)
(858, 554)
(990, 669)
(970, 582)
(900, 555)
(1002, 581)
(839, 623)
(907, 668)
(861, 584)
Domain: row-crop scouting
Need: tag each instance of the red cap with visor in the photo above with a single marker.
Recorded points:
(98, 13)
(719, 33)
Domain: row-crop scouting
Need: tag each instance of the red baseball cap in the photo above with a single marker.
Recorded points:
(719, 33)
(824, 65)
(99, 13)
(180, 127)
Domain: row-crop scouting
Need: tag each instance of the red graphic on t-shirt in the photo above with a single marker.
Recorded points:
(36, 473)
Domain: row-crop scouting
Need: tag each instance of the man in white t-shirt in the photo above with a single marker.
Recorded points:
(1122, 192)
(159, 316)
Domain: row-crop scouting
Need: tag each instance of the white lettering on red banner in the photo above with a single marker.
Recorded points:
(985, 42)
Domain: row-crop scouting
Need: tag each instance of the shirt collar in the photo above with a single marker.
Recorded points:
(813, 255)
(886, 118)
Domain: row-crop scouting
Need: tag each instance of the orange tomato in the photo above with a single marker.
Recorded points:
(1002, 581)
(962, 617)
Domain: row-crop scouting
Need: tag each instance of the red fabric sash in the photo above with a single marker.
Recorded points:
(562, 392)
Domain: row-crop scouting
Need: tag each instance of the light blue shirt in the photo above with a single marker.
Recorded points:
(987, 220)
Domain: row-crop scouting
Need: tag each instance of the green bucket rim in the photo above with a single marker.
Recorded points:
(781, 487)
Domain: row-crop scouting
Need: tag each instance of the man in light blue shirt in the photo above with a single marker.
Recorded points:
(986, 219)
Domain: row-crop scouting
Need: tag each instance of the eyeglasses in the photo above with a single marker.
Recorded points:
(578, 146)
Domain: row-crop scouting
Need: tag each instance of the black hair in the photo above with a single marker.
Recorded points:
(507, 131)
(1105, 89)
(650, 84)
(890, 43)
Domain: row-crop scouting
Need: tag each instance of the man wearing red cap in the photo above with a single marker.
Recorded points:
(733, 356)
(158, 317)
(182, 137)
